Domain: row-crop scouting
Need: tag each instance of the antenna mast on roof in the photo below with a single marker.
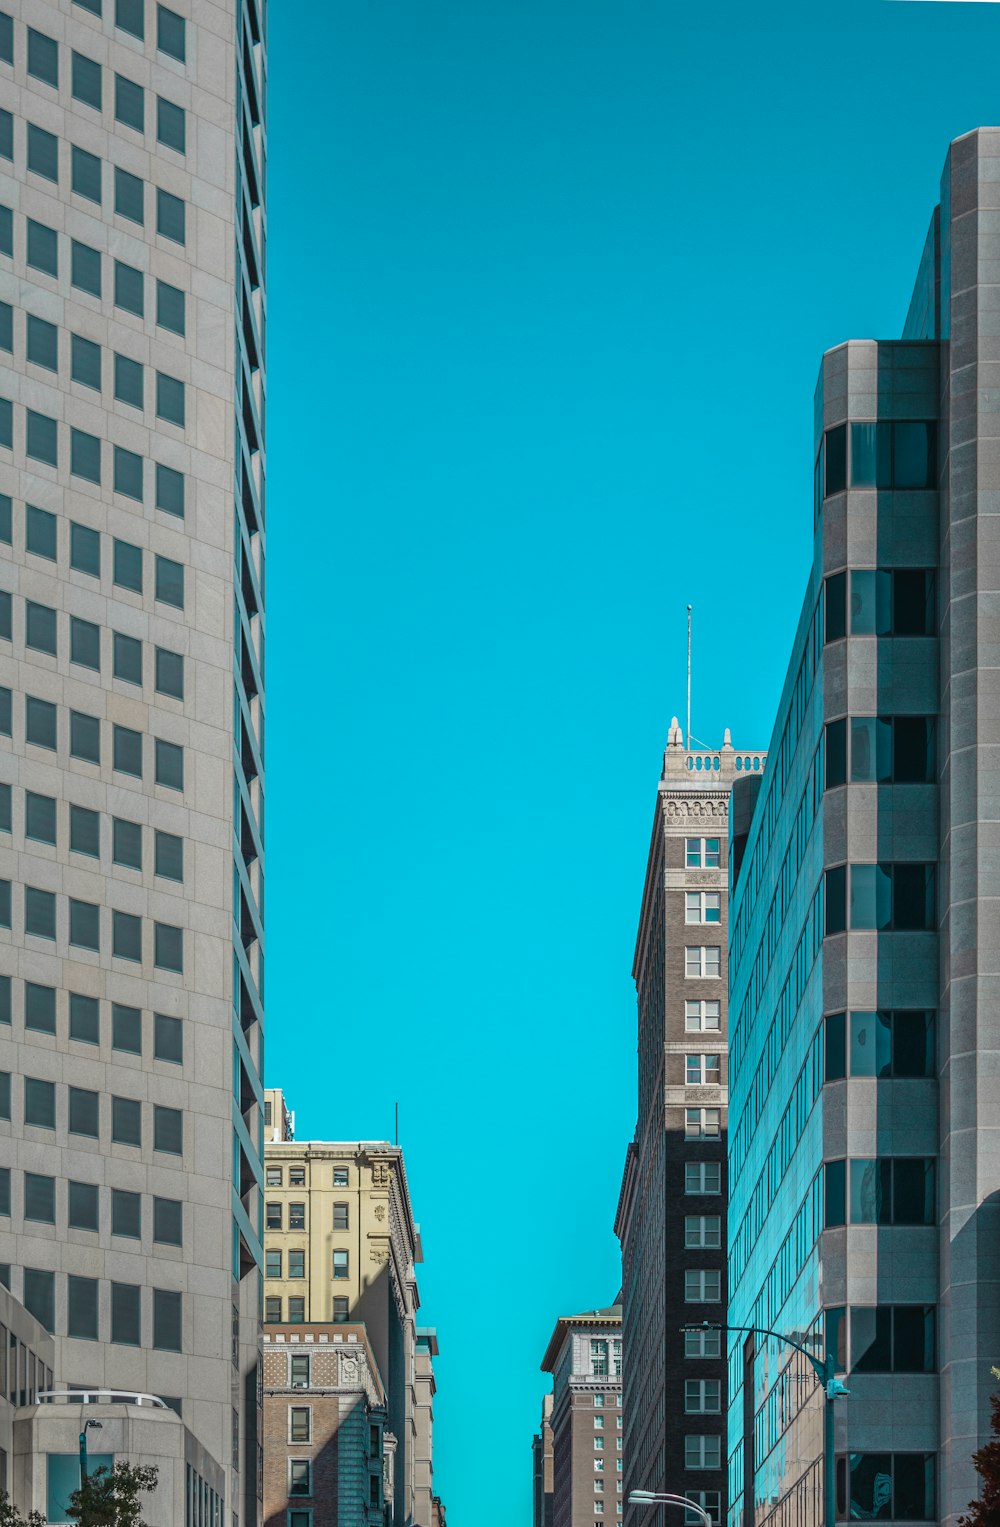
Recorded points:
(689, 682)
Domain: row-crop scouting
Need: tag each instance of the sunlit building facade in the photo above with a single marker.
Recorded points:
(132, 502)
(865, 927)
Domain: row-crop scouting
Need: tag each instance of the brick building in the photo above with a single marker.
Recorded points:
(326, 1446)
(584, 1357)
(671, 1211)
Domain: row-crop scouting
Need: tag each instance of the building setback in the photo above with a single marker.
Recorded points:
(671, 1211)
(341, 1245)
(132, 148)
(584, 1357)
(864, 1173)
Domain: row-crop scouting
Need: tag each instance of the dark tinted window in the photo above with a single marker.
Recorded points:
(85, 924)
(125, 1313)
(85, 362)
(39, 817)
(126, 1121)
(84, 1112)
(83, 1206)
(126, 1213)
(81, 1315)
(42, 346)
(168, 1038)
(84, 737)
(126, 936)
(40, 1296)
(126, 1028)
(129, 105)
(86, 81)
(84, 1018)
(39, 1007)
(836, 459)
(85, 268)
(167, 1221)
(168, 1130)
(84, 831)
(126, 843)
(40, 1198)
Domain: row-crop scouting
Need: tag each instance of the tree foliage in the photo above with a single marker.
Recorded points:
(11, 1517)
(985, 1512)
(110, 1497)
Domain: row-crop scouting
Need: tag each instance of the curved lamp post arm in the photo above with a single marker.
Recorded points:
(651, 1498)
(821, 1369)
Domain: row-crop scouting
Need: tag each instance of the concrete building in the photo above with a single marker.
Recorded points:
(671, 1211)
(865, 963)
(584, 1357)
(324, 1429)
(423, 1425)
(541, 1468)
(132, 148)
(341, 1245)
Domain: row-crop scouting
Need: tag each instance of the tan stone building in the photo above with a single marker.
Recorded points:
(341, 1244)
(423, 1431)
(325, 1433)
(584, 1357)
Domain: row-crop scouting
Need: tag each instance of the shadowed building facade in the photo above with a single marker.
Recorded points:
(541, 1468)
(584, 1357)
(671, 1211)
(865, 965)
(132, 503)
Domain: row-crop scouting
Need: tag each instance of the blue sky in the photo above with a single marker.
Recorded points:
(549, 282)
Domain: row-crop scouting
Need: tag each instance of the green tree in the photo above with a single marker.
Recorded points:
(110, 1497)
(11, 1517)
(985, 1512)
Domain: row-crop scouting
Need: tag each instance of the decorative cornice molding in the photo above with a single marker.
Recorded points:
(711, 805)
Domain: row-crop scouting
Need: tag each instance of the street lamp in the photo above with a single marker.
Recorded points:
(825, 1370)
(83, 1449)
(650, 1498)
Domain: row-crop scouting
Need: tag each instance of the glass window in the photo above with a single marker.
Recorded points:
(83, 1206)
(871, 896)
(871, 748)
(127, 658)
(340, 1176)
(7, 327)
(43, 249)
(39, 913)
(341, 1267)
(170, 582)
(125, 1307)
(126, 1121)
(169, 490)
(128, 195)
(169, 307)
(341, 1213)
(128, 473)
(126, 936)
(40, 1103)
(84, 1019)
(169, 856)
(864, 455)
(168, 1038)
(170, 33)
(128, 381)
(341, 1309)
(835, 1194)
(84, 737)
(296, 1264)
(84, 643)
(127, 749)
(272, 1264)
(168, 947)
(43, 58)
(40, 723)
(169, 671)
(85, 268)
(128, 563)
(272, 1310)
(871, 1192)
(299, 1423)
(166, 1320)
(126, 1214)
(836, 459)
(272, 1176)
(129, 104)
(81, 1317)
(40, 817)
(835, 600)
(273, 1216)
(85, 455)
(42, 344)
(85, 365)
(128, 288)
(169, 216)
(40, 1297)
(169, 399)
(300, 1370)
(43, 153)
(40, 1198)
(913, 454)
(168, 1131)
(86, 81)
(39, 1007)
(702, 1344)
(126, 1028)
(84, 1112)
(169, 765)
(86, 174)
(170, 124)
